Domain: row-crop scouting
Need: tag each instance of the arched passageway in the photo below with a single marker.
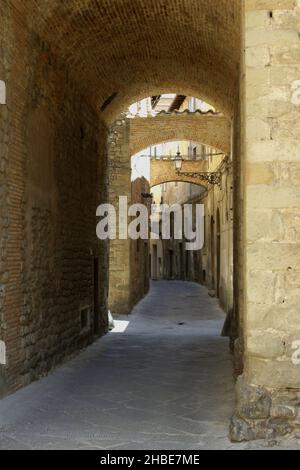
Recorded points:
(118, 55)
(68, 72)
(213, 130)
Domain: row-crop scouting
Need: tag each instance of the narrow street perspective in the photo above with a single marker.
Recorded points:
(149, 224)
(165, 383)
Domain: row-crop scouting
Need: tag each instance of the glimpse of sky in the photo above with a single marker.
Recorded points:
(140, 163)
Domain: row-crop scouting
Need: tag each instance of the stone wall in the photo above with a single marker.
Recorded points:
(216, 258)
(213, 265)
(128, 268)
(139, 249)
(53, 161)
(5, 121)
(269, 391)
(119, 171)
(169, 258)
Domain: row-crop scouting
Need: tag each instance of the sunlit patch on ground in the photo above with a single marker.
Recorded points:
(120, 326)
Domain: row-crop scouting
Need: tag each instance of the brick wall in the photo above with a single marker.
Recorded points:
(139, 249)
(119, 172)
(127, 66)
(163, 171)
(207, 128)
(54, 168)
(127, 259)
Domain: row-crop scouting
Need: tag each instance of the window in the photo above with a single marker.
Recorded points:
(194, 153)
(203, 152)
(172, 219)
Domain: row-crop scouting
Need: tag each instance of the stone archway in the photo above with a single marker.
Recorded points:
(164, 171)
(77, 65)
(110, 68)
(213, 130)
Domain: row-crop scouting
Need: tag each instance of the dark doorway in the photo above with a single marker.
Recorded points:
(96, 297)
(146, 268)
(218, 233)
(187, 265)
(212, 250)
(154, 274)
(170, 264)
(182, 276)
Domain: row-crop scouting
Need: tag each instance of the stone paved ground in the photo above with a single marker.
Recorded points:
(160, 385)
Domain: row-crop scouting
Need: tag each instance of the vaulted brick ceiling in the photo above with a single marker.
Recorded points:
(125, 50)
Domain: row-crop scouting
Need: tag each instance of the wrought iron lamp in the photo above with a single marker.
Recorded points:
(214, 177)
(178, 162)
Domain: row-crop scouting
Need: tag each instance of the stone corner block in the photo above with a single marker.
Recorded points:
(253, 402)
(2, 92)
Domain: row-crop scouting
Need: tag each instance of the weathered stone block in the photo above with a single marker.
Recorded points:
(262, 37)
(265, 344)
(252, 402)
(258, 226)
(2, 92)
(259, 173)
(240, 430)
(283, 75)
(257, 19)
(261, 286)
(258, 57)
(257, 130)
(282, 411)
(268, 197)
(264, 316)
(286, 55)
(273, 150)
(274, 256)
(269, 5)
(261, 372)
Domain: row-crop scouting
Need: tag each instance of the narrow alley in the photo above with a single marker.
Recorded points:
(165, 383)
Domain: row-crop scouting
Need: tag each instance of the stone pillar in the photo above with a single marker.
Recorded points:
(119, 185)
(268, 392)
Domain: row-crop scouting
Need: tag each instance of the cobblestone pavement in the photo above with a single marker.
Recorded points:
(166, 383)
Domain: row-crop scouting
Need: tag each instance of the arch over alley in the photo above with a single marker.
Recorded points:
(117, 53)
(69, 71)
(163, 171)
(211, 129)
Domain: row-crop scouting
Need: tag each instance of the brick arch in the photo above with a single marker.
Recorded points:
(163, 171)
(171, 179)
(120, 51)
(210, 129)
